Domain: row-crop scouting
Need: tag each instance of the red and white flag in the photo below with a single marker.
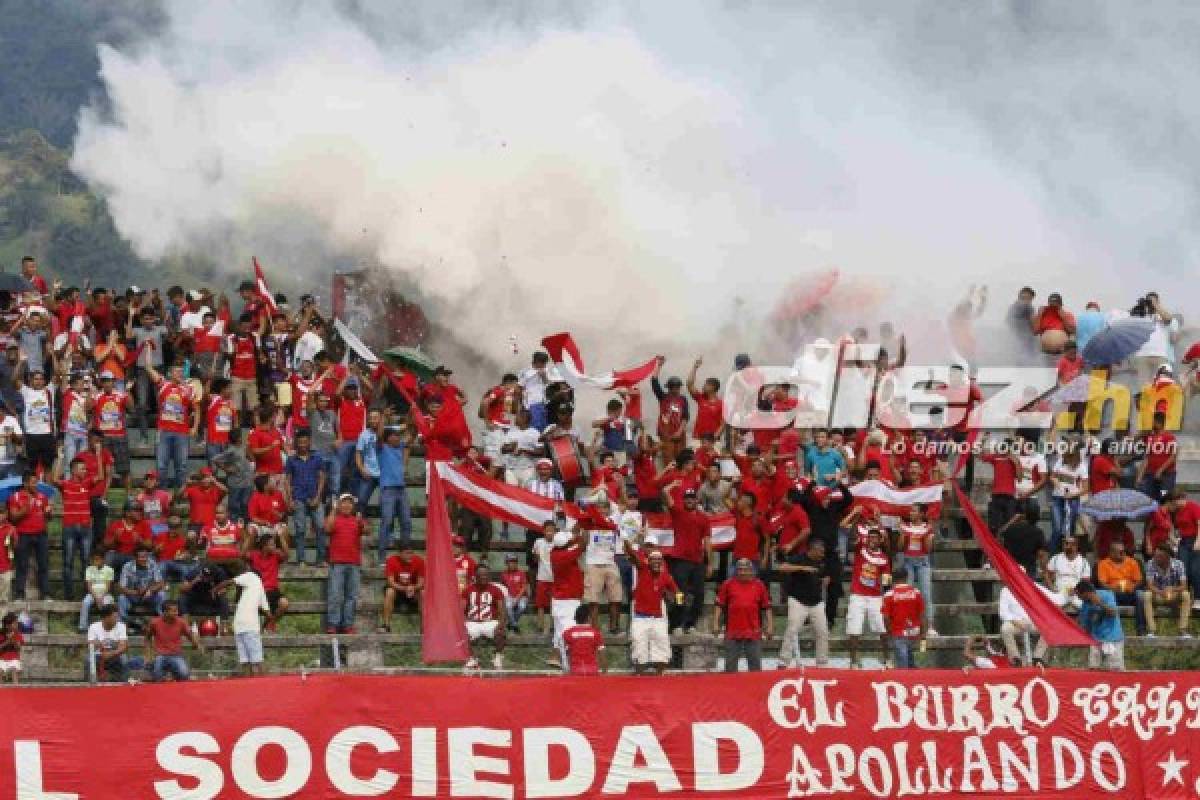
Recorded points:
(565, 354)
(660, 530)
(888, 500)
(264, 291)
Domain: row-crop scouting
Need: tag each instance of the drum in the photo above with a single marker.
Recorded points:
(1053, 341)
(569, 462)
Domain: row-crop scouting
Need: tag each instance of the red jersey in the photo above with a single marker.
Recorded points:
(268, 507)
(709, 414)
(1103, 474)
(1158, 527)
(649, 589)
(670, 416)
(691, 529)
(205, 341)
(174, 407)
(108, 414)
(36, 504)
(267, 567)
(706, 456)
(345, 543)
(1160, 448)
(329, 384)
(611, 478)
(352, 418)
(202, 503)
(464, 570)
(793, 525)
(483, 604)
(762, 489)
(169, 547)
(1004, 474)
(516, 581)
(92, 464)
(903, 608)
(403, 573)
(1185, 519)
(869, 569)
(270, 462)
(568, 577)
(748, 536)
(1069, 369)
(645, 476)
(919, 539)
(223, 540)
(77, 502)
(124, 536)
(74, 413)
(583, 643)
(8, 539)
(218, 421)
(244, 364)
(497, 405)
(301, 388)
(743, 602)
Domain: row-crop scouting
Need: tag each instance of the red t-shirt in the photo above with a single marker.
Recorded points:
(583, 643)
(205, 341)
(245, 357)
(352, 418)
(268, 507)
(125, 537)
(670, 416)
(1158, 527)
(483, 605)
(93, 469)
(1160, 448)
(464, 570)
(218, 421)
(8, 536)
(109, 413)
(568, 577)
(762, 489)
(1069, 370)
(691, 529)
(1102, 474)
(792, 525)
(903, 608)
(516, 581)
(170, 546)
(223, 540)
(77, 501)
(920, 538)
(709, 414)
(645, 475)
(1186, 519)
(869, 569)
(403, 573)
(270, 462)
(743, 602)
(168, 636)
(649, 588)
(706, 457)
(300, 391)
(174, 407)
(35, 520)
(747, 541)
(345, 543)
(202, 502)
(267, 566)
(1004, 474)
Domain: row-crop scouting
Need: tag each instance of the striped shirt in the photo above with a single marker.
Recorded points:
(77, 502)
(551, 489)
(1169, 577)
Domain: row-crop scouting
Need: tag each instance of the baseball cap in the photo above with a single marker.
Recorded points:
(442, 369)
(347, 496)
(107, 375)
(545, 462)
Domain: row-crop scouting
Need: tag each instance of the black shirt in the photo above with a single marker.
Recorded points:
(1023, 541)
(805, 587)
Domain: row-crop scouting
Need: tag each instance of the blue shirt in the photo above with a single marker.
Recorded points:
(825, 464)
(304, 474)
(368, 445)
(1094, 620)
(1087, 325)
(391, 465)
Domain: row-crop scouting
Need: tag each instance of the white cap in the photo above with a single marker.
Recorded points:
(562, 539)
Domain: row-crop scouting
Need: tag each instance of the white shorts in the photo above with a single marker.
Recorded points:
(862, 609)
(249, 647)
(650, 640)
(482, 630)
(493, 440)
(563, 614)
(10, 665)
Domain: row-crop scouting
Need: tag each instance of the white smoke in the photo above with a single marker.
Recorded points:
(623, 174)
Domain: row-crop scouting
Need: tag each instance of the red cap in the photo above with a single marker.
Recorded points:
(152, 474)
(206, 471)
(1092, 304)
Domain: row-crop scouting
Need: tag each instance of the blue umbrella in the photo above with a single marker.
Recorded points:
(1073, 391)
(1118, 504)
(1118, 340)
(10, 485)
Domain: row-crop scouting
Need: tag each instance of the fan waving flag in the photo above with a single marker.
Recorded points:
(565, 354)
(889, 500)
(264, 291)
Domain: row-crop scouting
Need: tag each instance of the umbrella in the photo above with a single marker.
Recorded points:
(414, 360)
(14, 283)
(1118, 504)
(10, 485)
(1118, 340)
(1074, 391)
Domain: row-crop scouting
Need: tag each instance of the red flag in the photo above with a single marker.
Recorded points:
(563, 352)
(406, 385)
(264, 291)
(443, 633)
(1056, 628)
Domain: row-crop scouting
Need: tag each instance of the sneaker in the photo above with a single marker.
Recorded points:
(331, 630)
(1151, 635)
(1185, 635)
(498, 661)
(472, 665)
(931, 633)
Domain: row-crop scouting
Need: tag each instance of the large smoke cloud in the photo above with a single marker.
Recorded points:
(627, 173)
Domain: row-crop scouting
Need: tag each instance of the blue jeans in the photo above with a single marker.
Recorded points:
(172, 450)
(38, 546)
(342, 594)
(125, 604)
(902, 653)
(1191, 561)
(342, 470)
(393, 504)
(1156, 488)
(625, 568)
(211, 451)
(73, 445)
(239, 502)
(1063, 514)
(75, 539)
(172, 664)
(85, 606)
(364, 490)
(302, 518)
(921, 573)
(117, 670)
(178, 571)
(538, 418)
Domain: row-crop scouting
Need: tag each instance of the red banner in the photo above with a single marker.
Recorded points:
(1010, 733)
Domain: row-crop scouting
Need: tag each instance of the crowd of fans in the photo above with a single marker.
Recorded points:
(298, 442)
